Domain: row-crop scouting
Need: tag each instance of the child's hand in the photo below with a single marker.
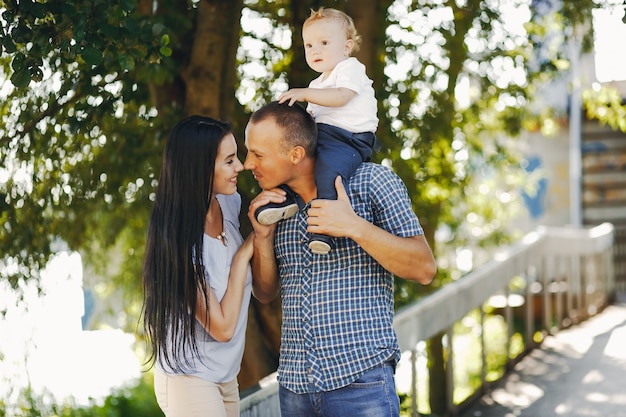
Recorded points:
(293, 95)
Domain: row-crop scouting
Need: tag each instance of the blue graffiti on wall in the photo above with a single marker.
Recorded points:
(535, 202)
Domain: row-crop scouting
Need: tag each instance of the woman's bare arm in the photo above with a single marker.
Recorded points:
(223, 316)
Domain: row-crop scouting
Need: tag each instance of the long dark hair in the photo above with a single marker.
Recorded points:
(173, 266)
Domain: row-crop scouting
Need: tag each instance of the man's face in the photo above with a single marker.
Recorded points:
(268, 161)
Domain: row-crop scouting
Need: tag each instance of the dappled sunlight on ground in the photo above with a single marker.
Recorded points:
(578, 372)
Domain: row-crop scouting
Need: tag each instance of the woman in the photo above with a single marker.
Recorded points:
(196, 275)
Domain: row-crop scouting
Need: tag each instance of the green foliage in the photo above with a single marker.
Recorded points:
(606, 105)
(76, 32)
(80, 150)
(135, 401)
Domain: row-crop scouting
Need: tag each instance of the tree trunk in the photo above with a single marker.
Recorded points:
(209, 76)
(370, 19)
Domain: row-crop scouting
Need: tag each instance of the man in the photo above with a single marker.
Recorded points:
(338, 347)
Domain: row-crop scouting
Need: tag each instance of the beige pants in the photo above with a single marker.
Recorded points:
(190, 396)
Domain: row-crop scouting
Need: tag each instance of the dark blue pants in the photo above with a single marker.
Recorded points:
(339, 152)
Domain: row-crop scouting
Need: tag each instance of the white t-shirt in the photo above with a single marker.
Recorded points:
(359, 114)
(218, 361)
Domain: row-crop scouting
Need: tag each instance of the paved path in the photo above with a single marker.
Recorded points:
(580, 372)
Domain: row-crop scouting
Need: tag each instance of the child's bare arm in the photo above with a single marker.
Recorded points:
(329, 97)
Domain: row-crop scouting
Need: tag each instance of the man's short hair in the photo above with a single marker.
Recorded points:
(299, 128)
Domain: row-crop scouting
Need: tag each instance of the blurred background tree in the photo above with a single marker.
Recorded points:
(91, 88)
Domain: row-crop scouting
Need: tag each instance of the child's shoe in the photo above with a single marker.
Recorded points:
(321, 244)
(274, 212)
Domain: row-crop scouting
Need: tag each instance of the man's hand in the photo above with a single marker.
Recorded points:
(274, 195)
(333, 217)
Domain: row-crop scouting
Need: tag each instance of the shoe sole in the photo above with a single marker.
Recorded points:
(273, 215)
(319, 248)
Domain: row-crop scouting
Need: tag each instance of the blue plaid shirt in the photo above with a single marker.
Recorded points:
(338, 308)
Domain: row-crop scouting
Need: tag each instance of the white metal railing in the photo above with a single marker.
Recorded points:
(568, 274)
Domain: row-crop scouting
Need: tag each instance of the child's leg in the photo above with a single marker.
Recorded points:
(337, 154)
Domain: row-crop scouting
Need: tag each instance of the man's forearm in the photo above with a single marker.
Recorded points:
(409, 258)
(264, 270)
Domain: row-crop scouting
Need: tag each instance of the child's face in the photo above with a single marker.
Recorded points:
(325, 44)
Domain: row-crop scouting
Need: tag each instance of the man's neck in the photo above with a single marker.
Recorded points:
(304, 183)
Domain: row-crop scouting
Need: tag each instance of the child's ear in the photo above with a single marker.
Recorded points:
(349, 47)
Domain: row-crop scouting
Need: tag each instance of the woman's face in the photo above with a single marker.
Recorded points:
(227, 166)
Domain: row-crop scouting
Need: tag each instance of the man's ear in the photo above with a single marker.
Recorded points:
(297, 154)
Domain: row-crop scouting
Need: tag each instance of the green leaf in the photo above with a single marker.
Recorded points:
(91, 55)
(132, 25)
(79, 27)
(22, 34)
(8, 44)
(8, 15)
(36, 74)
(109, 31)
(19, 62)
(38, 10)
(157, 29)
(68, 9)
(21, 78)
(138, 51)
(25, 6)
(127, 62)
(128, 5)
(165, 51)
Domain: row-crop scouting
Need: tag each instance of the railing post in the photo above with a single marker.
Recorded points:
(508, 317)
(414, 412)
(452, 410)
(483, 353)
(559, 273)
(610, 271)
(573, 291)
(528, 309)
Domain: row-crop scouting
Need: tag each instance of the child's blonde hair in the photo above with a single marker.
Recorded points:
(344, 19)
